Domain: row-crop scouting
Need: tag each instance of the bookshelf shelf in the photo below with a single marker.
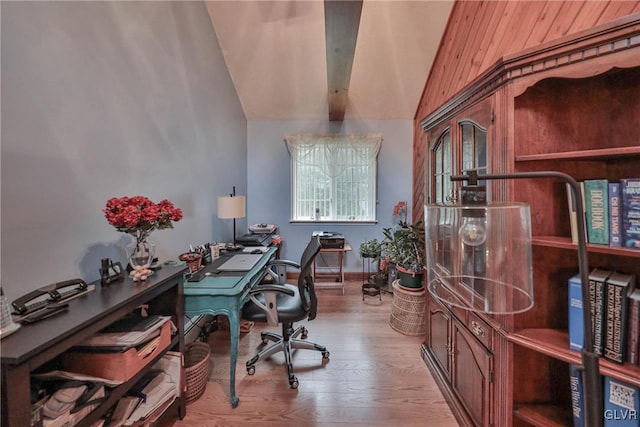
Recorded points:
(555, 343)
(565, 243)
(544, 415)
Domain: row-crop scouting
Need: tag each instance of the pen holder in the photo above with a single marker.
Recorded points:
(193, 260)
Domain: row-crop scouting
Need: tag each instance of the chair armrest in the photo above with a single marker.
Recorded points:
(271, 288)
(270, 305)
(285, 262)
(277, 269)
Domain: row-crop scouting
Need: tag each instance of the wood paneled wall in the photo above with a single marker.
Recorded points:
(479, 33)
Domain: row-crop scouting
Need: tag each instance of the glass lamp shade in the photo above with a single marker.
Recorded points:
(479, 257)
(231, 207)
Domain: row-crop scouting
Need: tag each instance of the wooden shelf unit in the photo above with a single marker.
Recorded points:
(570, 106)
(37, 347)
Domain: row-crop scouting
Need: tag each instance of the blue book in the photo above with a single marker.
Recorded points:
(577, 395)
(621, 404)
(576, 325)
(615, 215)
(596, 195)
(630, 197)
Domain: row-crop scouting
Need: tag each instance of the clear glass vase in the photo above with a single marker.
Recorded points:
(141, 252)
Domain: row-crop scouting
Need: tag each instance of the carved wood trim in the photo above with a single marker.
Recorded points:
(596, 43)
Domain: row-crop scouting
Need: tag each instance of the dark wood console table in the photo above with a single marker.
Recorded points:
(33, 346)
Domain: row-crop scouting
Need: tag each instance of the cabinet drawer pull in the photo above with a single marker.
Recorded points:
(477, 329)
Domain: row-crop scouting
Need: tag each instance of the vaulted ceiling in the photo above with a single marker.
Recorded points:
(343, 60)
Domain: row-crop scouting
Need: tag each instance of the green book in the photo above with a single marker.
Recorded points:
(596, 195)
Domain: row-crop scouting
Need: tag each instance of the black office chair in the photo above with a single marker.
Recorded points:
(285, 304)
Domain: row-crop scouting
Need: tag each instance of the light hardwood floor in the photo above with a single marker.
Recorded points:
(375, 375)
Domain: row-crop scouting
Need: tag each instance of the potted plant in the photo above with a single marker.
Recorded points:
(371, 249)
(405, 248)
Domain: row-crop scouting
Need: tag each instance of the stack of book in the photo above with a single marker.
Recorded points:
(612, 212)
(152, 395)
(621, 401)
(615, 315)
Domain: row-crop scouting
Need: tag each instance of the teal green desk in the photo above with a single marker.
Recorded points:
(226, 293)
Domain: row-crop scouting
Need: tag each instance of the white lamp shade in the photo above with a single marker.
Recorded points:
(479, 258)
(231, 207)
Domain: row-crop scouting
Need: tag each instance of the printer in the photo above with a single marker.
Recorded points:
(329, 239)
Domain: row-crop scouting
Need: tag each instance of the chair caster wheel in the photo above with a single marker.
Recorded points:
(251, 370)
(325, 355)
(293, 382)
(304, 334)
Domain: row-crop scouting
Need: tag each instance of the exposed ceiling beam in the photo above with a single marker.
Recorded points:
(341, 22)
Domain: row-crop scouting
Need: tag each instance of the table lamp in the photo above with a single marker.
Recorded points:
(479, 259)
(231, 206)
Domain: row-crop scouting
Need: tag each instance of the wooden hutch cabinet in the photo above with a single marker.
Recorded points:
(573, 106)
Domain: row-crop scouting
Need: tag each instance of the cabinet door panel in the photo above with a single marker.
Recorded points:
(471, 376)
(438, 336)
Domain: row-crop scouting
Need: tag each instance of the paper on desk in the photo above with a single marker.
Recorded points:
(250, 249)
(73, 376)
(126, 339)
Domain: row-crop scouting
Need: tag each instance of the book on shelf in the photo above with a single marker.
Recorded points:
(615, 215)
(576, 325)
(155, 393)
(621, 404)
(573, 214)
(633, 333)
(123, 410)
(597, 280)
(172, 363)
(618, 289)
(596, 195)
(630, 198)
(577, 395)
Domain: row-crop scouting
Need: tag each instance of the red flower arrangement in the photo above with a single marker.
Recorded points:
(400, 213)
(139, 216)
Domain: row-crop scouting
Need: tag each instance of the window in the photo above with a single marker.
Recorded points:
(333, 177)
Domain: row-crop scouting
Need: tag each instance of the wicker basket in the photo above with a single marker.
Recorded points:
(196, 367)
(407, 311)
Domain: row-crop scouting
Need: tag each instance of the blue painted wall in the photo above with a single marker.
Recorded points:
(104, 99)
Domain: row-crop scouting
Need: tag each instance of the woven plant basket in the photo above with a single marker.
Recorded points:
(407, 311)
(196, 368)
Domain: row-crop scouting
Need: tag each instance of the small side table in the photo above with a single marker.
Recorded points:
(339, 277)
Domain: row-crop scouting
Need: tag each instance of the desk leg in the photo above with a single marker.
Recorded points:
(342, 270)
(234, 330)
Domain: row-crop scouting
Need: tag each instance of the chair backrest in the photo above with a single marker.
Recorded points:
(305, 279)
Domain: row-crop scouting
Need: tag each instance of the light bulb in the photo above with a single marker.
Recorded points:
(473, 231)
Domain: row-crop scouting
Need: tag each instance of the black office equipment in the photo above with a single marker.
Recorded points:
(47, 295)
(255, 240)
(110, 272)
(330, 239)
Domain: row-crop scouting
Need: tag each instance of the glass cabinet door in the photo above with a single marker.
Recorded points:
(458, 145)
(442, 167)
(474, 145)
